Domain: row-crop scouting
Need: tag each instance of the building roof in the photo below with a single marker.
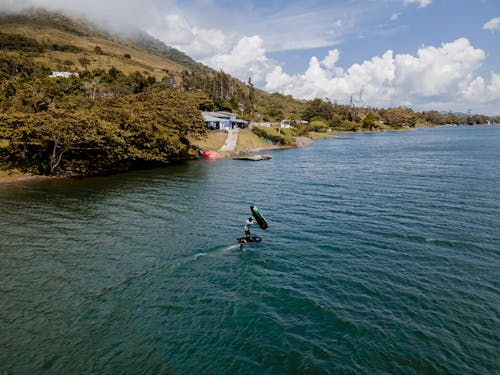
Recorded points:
(211, 118)
(224, 115)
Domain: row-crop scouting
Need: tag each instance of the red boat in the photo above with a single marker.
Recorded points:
(210, 154)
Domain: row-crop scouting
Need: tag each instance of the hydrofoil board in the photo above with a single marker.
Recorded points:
(244, 240)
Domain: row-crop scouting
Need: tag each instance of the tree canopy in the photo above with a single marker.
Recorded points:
(91, 123)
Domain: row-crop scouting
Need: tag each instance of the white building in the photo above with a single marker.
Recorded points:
(223, 121)
(63, 74)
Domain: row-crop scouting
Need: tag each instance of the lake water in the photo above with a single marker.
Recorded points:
(382, 256)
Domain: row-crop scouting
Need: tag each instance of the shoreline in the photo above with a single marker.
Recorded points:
(299, 142)
(7, 180)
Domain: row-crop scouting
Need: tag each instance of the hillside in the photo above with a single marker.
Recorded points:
(85, 46)
(115, 113)
(67, 44)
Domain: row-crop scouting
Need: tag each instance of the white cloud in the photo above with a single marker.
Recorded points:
(278, 81)
(246, 59)
(478, 90)
(134, 10)
(115, 15)
(331, 59)
(422, 3)
(493, 24)
(438, 70)
(395, 16)
(179, 33)
(369, 81)
(176, 27)
(436, 77)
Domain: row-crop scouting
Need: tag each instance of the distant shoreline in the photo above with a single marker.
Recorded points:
(6, 179)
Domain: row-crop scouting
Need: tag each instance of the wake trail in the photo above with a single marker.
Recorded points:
(170, 266)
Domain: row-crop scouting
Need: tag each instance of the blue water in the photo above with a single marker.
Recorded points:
(382, 256)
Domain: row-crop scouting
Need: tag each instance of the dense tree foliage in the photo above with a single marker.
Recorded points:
(226, 92)
(348, 117)
(98, 121)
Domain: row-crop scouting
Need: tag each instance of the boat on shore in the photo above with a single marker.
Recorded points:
(207, 154)
(253, 157)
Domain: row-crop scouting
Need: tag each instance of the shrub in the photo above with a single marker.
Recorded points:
(317, 126)
(66, 48)
(348, 126)
(15, 42)
(84, 61)
(271, 134)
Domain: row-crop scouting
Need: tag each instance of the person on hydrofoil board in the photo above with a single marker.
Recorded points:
(250, 221)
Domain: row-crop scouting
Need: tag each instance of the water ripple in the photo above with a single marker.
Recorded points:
(382, 256)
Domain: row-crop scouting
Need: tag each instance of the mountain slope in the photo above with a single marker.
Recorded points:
(64, 43)
(94, 47)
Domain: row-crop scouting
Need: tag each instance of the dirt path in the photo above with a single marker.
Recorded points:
(232, 139)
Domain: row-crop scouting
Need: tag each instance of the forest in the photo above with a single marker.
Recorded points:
(99, 121)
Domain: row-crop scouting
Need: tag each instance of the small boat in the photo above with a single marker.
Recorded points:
(253, 157)
(210, 154)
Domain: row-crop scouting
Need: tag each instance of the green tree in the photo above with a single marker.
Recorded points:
(371, 121)
(317, 126)
(399, 117)
(317, 109)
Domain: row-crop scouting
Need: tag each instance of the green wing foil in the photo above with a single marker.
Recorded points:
(259, 218)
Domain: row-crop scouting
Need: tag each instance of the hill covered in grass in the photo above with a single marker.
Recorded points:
(64, 43)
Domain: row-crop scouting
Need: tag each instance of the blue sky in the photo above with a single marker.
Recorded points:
(427, 54)
(442, 21)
